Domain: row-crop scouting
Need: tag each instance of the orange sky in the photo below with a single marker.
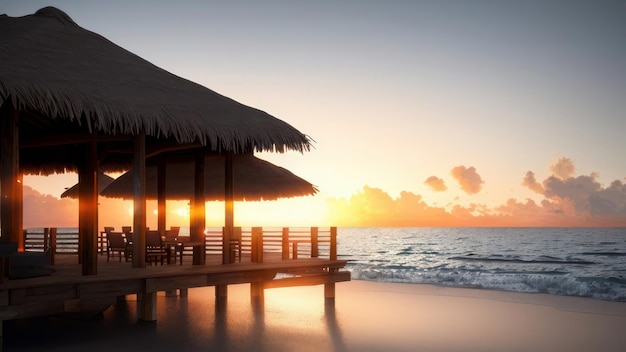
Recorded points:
(565, 200)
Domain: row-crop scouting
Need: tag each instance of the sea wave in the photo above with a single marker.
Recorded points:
(586, 262)
(557, 283)
(523, 261)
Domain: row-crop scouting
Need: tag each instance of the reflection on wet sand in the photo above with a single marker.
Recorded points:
(280, 321)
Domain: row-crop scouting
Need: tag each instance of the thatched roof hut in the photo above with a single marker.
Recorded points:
(70, 84)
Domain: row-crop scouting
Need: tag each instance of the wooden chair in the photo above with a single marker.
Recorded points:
(154, 247)
(102, 241)
(235, 243)
(128, 237)
(116, 243)
(173, 245)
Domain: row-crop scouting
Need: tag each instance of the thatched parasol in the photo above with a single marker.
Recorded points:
(255, 179)
(103, 182)
(68, 81)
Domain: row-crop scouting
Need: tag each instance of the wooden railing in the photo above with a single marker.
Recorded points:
(57, 240)
(284, 243)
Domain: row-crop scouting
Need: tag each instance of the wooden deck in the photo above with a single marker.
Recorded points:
(67, 290)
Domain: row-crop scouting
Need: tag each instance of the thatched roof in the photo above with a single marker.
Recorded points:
(254, 179)
(103, 181)
(53, 68)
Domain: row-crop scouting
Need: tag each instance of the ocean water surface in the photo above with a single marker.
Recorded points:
(585, 262)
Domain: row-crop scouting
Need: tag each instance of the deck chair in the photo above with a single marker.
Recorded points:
(155, 249)
(116, 244)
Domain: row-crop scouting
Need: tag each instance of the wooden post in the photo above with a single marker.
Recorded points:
(161, 197)
(148, 306)
(53, 244)
(314, 242)
(285, 243)
(9, 170)
(229, 208)
(257, 245)
(198, 211)
(257, 290)
(22, 243)
(329, 288)
(139, 201)
(46, 238)
(18, 204)
(221, 291)
(333, 243)
(88, 208)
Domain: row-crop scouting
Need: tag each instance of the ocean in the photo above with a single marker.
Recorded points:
(585, 262)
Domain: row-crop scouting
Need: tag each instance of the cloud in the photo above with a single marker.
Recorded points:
(436, 184)
(374, 207)
(530, 182)
(468, 179)
(44, 210)
(564, 168)
(587, 196)
(571, 201)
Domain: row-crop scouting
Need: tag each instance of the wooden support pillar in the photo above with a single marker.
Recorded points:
(161, 197)
(148, 305)
(139, 203)
(257, 245)
(229, 208)
(9, 173)
(329, 288)
(53, 244)
(257, 289)
(257, 298)
(88, 209)
(46, 238)
(18, 204)
(221, 291)
(314, 242)
(198, 212)
(285, 243)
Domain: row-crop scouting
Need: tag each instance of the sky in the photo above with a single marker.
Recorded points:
(423, 113)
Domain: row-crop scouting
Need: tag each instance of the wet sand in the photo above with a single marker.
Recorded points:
(367, 316)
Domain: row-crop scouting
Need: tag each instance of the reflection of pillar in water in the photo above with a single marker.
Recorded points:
(257, 300)
(221, 324)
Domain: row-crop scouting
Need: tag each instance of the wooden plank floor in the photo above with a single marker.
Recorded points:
(68, 290)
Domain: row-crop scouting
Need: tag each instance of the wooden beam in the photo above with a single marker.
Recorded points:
(309, 280)
(139, 204)
(71, 138)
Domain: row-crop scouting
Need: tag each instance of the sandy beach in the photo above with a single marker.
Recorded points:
(368, 316)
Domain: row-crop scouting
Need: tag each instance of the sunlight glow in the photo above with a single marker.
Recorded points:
(184, 212)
